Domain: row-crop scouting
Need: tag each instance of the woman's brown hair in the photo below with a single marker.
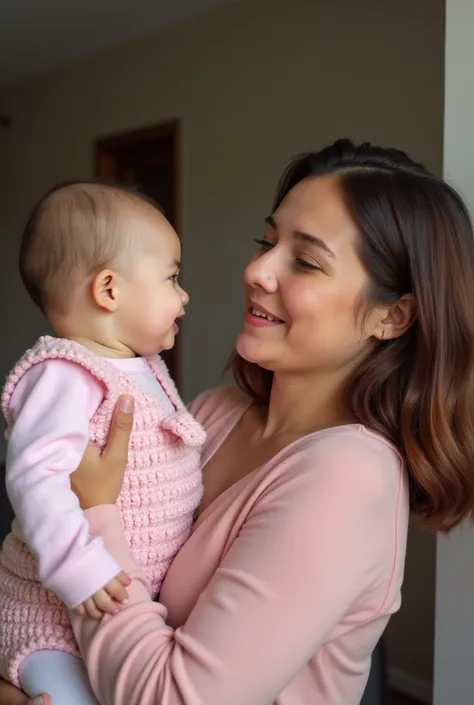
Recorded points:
(417, 391)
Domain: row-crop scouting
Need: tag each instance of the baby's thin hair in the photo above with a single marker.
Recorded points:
(74, 231)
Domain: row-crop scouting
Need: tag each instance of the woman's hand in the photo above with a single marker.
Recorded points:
(9, 695)
(99, 477)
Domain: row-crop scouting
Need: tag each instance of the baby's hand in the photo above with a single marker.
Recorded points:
(106, 599)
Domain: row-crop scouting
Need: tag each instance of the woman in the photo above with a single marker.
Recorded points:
(356, 368)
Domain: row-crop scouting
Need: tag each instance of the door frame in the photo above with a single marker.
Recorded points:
(107, 149)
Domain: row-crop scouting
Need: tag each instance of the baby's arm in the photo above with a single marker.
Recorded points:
(52, 406)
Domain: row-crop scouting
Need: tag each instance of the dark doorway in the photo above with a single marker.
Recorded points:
(150, 160)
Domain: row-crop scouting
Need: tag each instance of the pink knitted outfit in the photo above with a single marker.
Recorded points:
(161, 490)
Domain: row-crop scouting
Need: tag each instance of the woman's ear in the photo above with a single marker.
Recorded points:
(397, 319)
(105, 290)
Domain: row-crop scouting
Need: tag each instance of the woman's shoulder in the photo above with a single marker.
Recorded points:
(353, 442)
(216, 403)
(344, 478)
(356, 461)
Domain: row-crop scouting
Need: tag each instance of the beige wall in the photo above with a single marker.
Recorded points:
(254, 83)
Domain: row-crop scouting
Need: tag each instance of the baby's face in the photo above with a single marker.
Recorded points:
(151, 298)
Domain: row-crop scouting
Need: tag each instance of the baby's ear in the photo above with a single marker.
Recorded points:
(105, 290)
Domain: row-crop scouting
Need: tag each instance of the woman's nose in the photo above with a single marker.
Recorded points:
(261, 272)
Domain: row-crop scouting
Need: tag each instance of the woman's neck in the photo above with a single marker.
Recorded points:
(300, 405)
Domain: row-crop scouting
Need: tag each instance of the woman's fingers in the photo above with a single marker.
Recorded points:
(98, 479)
(116, 449)
(40, 700)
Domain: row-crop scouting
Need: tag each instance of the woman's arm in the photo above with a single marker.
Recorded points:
(320, 537)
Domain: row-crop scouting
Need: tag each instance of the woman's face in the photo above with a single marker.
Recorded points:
(303, 285)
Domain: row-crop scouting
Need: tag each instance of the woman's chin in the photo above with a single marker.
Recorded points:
(250, 349)
(242, 347)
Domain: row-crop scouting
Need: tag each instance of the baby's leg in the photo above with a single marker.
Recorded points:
(61, 675)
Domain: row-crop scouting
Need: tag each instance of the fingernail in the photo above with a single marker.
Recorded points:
(126, 405)
(37, 701)
(125, 602)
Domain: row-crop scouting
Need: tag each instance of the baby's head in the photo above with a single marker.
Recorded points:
(102, 264)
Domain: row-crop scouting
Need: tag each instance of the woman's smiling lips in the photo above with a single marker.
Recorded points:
(260, 317)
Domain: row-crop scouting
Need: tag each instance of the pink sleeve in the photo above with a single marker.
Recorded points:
(320, 537)
(51, 407)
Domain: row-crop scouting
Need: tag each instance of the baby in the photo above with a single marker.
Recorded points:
(102, 263)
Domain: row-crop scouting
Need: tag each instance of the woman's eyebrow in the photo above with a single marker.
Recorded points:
(306, 237)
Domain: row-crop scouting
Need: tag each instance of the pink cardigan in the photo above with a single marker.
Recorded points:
(282, 590)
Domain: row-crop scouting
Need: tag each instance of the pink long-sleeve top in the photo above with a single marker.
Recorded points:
(51, 407)
(281, 592)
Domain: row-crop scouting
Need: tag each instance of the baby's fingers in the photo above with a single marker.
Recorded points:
(104, 602)
(92, 609)
(116, 591)
(123, 578)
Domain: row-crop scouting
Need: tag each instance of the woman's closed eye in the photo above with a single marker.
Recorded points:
(264, 244)
(299, 262)
(308, 266)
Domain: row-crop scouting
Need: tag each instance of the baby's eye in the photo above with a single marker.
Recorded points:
(174, 278)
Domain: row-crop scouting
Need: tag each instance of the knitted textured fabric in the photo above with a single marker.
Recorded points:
(161, 490)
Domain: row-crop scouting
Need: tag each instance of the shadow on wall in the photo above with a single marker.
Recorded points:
(376, 692)
(6, 514)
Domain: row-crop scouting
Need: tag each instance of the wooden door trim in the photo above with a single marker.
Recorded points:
(107, 149)
(127, 139)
